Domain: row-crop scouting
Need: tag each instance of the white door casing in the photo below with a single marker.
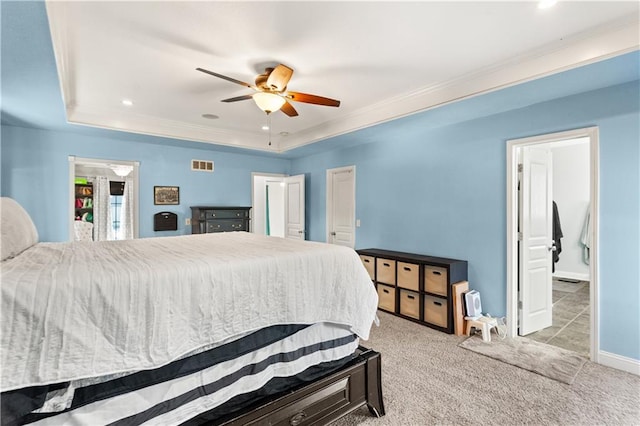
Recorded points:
(341, 206)
(295, 199)
(536, 246)
(513, 146)
(134, 175)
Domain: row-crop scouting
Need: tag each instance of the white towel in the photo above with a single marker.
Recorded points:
(585, 237)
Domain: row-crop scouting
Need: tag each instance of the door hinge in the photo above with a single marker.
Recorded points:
(520, 168)
(519, 236)
(519, 304)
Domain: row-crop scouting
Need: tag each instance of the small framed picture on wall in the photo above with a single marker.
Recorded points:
(166, 195)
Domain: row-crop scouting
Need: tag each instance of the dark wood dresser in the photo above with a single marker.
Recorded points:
(207, 219)
(414, 286)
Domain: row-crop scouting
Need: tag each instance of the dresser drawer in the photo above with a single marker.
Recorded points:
(369, 263)
(387, 298)
(313, 408)
(408, 274)
(226, 214)
(435, 280)
(436, 311)
(214, 227)
(386, 271)
(226, 225)
(410, 304)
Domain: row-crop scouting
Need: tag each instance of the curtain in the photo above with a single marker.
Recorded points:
(126, 218)
(268, 224)
(102, 229)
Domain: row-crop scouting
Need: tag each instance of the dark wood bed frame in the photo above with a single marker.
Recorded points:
(323, 401)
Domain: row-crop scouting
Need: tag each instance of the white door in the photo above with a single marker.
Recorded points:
(341, 206)
(295, 207)
(536, 220)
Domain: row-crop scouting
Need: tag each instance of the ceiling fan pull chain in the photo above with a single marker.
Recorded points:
(269, 125)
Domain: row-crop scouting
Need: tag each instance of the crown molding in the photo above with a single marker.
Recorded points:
(57, 17)
(113, 119)
(582, 49)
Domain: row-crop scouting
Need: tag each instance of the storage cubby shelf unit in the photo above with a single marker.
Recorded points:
(414, 286)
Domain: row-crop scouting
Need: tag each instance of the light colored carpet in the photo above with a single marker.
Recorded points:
(428, 379)
(549, 361)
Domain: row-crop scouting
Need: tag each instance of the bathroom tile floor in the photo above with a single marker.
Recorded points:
(570, 328)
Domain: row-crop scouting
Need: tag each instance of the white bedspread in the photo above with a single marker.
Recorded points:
(85, 309)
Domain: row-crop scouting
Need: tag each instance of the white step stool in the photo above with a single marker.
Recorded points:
(481, 323)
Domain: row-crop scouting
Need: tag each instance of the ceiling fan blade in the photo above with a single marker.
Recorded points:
(288, 109)
(238, 98)
(224, 77)
(311, 99)
(279, 78)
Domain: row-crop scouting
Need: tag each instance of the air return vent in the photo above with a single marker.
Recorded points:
(202, 165)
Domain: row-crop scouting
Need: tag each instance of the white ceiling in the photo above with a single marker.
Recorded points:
(383, 60)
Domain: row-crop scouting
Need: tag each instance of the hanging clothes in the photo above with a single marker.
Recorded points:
(557, 236)
(585, 237)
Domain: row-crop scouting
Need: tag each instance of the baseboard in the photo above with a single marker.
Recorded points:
(619, 362)
(571, 275)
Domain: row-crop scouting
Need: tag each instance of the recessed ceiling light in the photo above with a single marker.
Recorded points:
(284, 133)
(265, 127)
(210, 116)
(127, 102)
(546, 4)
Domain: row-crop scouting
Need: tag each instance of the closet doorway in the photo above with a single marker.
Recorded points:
(103, 199)
(552, 195)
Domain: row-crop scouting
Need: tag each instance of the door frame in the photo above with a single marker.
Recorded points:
(329, 209)
(512, 227)
(135, 175)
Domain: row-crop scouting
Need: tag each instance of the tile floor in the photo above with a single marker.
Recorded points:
(570, 329)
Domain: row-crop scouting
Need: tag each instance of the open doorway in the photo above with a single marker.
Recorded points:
(103, 199)
(268, 204)
(552, 239)
(278, 205)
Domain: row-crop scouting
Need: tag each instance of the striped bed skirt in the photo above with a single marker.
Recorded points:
(219, 380)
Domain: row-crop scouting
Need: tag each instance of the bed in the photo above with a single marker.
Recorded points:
(214, 328)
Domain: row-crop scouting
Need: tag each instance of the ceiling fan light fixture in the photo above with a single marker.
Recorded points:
(268, 102)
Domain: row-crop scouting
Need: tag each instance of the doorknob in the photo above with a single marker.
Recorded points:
(333, 233)
(301, 231)
(552, 248)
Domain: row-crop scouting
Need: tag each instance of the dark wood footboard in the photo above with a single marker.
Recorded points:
(318, 403)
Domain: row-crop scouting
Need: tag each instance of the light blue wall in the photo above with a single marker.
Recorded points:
(420, 188)
(442, 191)
(35, 169)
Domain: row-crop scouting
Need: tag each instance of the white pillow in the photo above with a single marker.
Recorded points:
(17, 230)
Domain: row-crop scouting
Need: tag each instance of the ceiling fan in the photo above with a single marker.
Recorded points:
(271, 94)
